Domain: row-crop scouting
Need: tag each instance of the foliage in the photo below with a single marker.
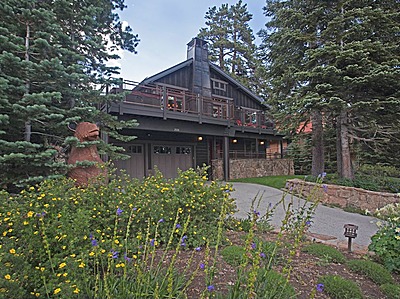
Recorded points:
(325, 252)
(379, 170)
(278, 182)
(376, 272)
(53, 58)
(231, 42)
(233, 255)
(336, 57)
(339, 288)
(385, 243)
(59, 240)
(392, 291)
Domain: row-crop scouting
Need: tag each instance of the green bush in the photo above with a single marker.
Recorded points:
(392, 291)
(234, 255)
(379, 171)
(269, 284)
(325, 252)
(377, 273)
(58, 240)
(339, 288)
(385, 243)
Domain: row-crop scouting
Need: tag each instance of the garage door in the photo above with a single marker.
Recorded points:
(168, 158)
(134, 166)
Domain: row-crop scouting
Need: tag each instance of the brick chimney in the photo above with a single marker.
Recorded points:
(198, 50)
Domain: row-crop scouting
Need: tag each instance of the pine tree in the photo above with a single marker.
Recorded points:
(53, 54)
(231, 41)
(339, 57)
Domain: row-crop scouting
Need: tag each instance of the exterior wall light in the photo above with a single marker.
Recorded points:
(262, 142)
(200, 138)
(350, 231)
(234, 140)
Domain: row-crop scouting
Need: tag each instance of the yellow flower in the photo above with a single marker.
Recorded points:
(76, 291)
(62, 265)
(30, 214)
(81, 265)
(12, 251)
(91, 253)
(116, 242)
(56, 291)
(7, 276)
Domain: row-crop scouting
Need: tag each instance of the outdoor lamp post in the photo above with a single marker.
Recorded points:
(350, 231)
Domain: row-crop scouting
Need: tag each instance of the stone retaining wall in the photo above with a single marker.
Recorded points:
(343, 196)
(250, 168)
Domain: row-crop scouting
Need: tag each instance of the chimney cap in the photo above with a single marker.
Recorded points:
(197, 41)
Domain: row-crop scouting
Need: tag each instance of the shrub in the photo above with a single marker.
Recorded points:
(392, 291)
(385, 243)
(339, 288)
(269, 284)
(377, 273)
(379, 171)
(64, 241)
(325, 252)
(234, 255)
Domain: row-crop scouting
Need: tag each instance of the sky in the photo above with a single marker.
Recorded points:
(165, 27)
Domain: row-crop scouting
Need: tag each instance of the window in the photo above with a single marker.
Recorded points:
(183, 150)
(162, 150)
(219, 85)
(174, 103)
(134, 149)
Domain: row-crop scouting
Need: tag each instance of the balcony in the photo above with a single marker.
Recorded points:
(171, 102)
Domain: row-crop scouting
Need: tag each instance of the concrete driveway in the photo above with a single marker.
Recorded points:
(327, 223)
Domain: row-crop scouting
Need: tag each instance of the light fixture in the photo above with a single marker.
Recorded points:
(234, 140)
(262, 142)
(200, 138)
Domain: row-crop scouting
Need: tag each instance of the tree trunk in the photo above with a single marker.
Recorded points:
(344, 156)
(318, 165)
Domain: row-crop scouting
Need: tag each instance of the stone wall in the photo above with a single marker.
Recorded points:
(343, 196)
(250, 168)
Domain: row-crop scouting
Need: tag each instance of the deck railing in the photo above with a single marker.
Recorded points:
(170, 98)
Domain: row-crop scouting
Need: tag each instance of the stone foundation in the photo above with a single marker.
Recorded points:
(343, 196)
(250, 168)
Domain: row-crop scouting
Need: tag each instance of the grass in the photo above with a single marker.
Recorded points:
(376, 272)
(325, 252)
(277, 182)
(339, 288)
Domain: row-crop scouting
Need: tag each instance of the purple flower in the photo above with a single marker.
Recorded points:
(320, 287)
(184, 238)
(210, 288)
(198, 248)
(134, 209)
(256, 213)
(119, 211)
(253, 245)
(178, 226)
(128, 259)
(262, 255)
(324, 174)
(161, 220)
(325, 187)
(94, 242)
(152, 242)
(183, 244)
(202, 266)
(114, 254)
(308, 223)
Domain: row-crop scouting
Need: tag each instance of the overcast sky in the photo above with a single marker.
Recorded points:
(165, 27)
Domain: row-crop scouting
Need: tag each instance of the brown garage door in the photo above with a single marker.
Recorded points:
(168, 158)
(134, 166)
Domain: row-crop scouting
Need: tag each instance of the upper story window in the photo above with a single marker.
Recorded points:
(219, 85)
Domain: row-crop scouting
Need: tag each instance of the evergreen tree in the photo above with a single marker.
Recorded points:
(231, 41)
(339, 57)
(53, 56)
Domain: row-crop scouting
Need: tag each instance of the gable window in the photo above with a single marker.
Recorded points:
(219, 85)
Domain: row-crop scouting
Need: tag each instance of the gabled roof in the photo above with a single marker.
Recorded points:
(167, 71)
(237, 83)
(214, 67)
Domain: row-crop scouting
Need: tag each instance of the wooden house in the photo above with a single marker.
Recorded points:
(193, 114)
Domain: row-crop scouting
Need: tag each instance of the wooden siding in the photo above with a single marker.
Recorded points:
(181, 78)
(239, 97)
(202, 155)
